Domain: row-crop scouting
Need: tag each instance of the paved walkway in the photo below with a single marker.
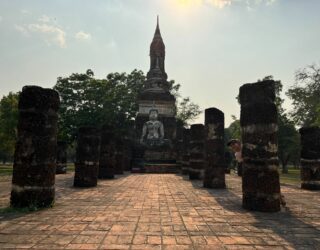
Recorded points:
(164, 211)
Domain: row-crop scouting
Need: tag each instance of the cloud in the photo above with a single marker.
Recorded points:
(219, 3)
(51, 33)
(21, 29)
(250, 4)
(270, 2)
(81, 35)
(25, 12)
(1, 19)
(44, 19)
(48, 30)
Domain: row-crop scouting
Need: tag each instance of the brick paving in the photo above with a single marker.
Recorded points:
(159, 211)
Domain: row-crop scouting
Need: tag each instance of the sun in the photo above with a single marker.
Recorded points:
(188, 3)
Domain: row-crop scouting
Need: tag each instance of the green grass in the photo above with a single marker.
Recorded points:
(6, 170)
(293, 176)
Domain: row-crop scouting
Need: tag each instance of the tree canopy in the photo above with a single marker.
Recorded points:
(305, 94)
(86, 100)
(8, 125)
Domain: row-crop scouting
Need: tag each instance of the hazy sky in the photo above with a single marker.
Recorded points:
(212, 46)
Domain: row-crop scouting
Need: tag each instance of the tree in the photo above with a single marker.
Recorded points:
(305, 94)
(8, 125)
(234, 129)
(89, 101)
(187, 111)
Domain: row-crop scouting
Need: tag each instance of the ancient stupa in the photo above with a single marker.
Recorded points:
(156, 122)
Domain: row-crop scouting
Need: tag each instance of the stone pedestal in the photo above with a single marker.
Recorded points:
(185, 151)
(214, 176)
(87, 157)
(34, 165)
(310, 158)
(61, 157)
(260, 177)
(197, 152)
(107, 149)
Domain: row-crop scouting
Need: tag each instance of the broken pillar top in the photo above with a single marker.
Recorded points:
(258, 99)
(310, 142)
(40, 99)
(213, 115)
(259, 92)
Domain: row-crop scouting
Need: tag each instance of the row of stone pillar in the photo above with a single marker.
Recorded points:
(38, 156)
(203, 150)
(99, 155)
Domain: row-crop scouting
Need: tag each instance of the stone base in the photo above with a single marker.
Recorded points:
(185, 171)
(215, 183)
(195, 175)
(36, 198)
(139, 166)
(261, 204)
(311, 186)
(85, 175)
(158, 155)
(161, 168)
(105, 173)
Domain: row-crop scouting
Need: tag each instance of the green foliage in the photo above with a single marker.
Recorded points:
(187, 111)
(86, 100)
(305, 94)
(234, 129)
(89, 101)
(8, 125)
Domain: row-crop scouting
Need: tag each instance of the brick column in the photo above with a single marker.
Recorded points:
(179, 144)
(258, 119)
(310, 158)
(214, 175)
(197, 152)
(87, 157)
(107, 160)
(119, 160)
(61, 157)
(34, 165)
(185, 151)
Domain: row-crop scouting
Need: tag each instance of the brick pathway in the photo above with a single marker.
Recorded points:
(164, 211)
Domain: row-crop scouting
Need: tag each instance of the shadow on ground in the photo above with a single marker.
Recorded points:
(293, 224)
